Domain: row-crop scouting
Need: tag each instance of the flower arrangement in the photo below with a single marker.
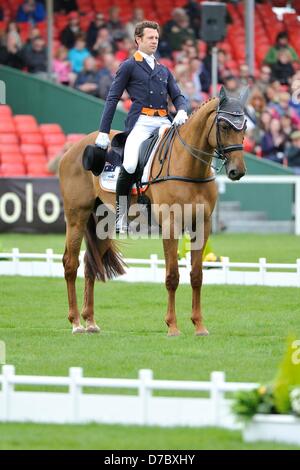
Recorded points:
(280, 397)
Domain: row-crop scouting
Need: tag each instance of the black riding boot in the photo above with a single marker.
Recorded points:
(124, 184)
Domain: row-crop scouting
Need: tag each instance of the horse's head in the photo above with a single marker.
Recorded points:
(228, 133)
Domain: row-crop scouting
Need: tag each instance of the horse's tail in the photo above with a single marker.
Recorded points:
(102, 261)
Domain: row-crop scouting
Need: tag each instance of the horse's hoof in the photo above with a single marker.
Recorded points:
(202, 332)
(78, 330)
(93, 329)
(172, 333)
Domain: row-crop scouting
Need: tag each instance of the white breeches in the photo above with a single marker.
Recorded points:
(143, 128)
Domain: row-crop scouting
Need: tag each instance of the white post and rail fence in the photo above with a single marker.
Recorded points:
(152, 269)
(142, 406)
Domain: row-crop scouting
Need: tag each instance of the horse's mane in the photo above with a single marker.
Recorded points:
(200, 107)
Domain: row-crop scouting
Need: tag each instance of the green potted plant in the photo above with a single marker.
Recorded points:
(272, 412)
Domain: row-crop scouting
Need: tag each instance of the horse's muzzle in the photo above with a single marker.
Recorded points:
(234, 174)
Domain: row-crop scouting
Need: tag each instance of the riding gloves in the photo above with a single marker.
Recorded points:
(180, 118)
(102, 140)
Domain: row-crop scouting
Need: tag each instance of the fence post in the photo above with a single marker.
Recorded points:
(15, 260)
(80, 271)
(49, 257)
(8, 373)
(145, 393)
(75, 373)
(262, 270)
(298, 270)
(188, 262)
(225, 262)
(154, 267)
(217, 380)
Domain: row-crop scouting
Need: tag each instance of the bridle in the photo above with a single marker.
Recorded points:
(221, 152)
(235, 118)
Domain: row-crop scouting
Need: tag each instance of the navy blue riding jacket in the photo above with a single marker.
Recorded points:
(147, 88)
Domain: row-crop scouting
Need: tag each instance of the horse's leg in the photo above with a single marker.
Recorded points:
(196, 283)
(89, 277)
(172, 281)
(88, 304)
(75, 229)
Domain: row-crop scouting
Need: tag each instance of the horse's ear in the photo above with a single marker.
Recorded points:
(222, 95)
(244, 95)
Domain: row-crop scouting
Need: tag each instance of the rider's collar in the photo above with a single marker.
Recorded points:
(138, 56)
(146, 56)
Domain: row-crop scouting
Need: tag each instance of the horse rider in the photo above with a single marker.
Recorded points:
(148, 84)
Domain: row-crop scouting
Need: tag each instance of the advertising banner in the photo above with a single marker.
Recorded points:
(32, 205)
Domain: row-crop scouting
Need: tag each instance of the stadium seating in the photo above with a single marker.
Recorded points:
(5, 111)
(9, 148)
(74, 137)
(32, 148)
(29, 138)
(51, 129)
(54, 139)
(7, 126)
(26, 146)
(12, 158)
(13, 169)
(24, 141)
(7, 138)
(53, 150)
(267, 24)
(25, 119)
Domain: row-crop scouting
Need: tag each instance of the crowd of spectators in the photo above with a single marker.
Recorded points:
(88, 60)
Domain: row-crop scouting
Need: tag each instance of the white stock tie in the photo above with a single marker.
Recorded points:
(150, 59)
(150, 62)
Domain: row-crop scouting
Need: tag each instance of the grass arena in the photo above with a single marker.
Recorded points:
(248, 328)
(214, 88)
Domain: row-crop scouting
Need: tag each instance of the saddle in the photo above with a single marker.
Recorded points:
(96, 159)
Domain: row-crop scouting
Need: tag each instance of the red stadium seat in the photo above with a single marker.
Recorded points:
(5, 110)
(54, 139)
(74, 137)
(25, 128)
(11, 158)
(3, 25)
(10, 169)
(9, 139)
(31, 138)
(32, 148)
(38, 170)
(9, 148)
(53, 150)
(24, 28)
(51, 129)
(7, 126)
(35, 157)
(25, 118)
(248, 145)
(167, 62)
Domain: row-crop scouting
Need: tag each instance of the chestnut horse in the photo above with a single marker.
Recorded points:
(183, 176)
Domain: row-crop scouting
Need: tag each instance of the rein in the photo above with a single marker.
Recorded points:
(220, 152)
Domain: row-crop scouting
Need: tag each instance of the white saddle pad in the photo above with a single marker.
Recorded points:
(109, 176)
